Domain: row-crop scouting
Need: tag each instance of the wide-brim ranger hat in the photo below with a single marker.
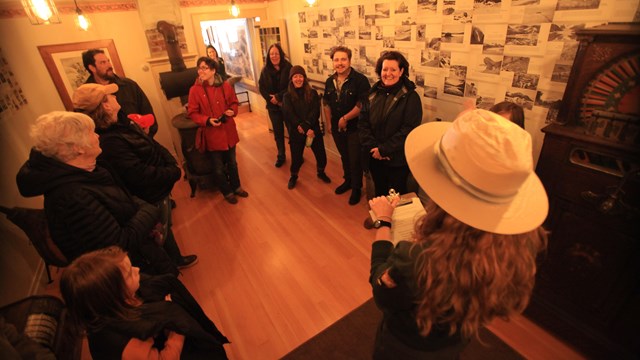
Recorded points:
(88, 97)
(479, 169)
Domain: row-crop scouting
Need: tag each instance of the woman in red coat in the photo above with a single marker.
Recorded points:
(213, 105)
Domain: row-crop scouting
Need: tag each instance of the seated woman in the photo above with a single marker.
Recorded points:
(473, 257)
(146, 168)
(301, 109)
(86, 207)
(131, 316)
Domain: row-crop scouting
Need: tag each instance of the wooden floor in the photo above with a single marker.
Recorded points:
(282, 265)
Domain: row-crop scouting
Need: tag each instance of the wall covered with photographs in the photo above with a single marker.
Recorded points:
(482, 50)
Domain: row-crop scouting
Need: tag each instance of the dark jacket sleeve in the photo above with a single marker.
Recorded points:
(410, 117)
(84, 216)
(311, 121)
(290, 117)
(384, 256)
(133, 169)
(283, 85)
(263, 84)
(367, 139)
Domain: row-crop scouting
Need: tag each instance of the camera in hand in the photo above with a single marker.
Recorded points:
(222, 119)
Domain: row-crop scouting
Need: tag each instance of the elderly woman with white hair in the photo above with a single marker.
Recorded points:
(86, 208)
(473, 255)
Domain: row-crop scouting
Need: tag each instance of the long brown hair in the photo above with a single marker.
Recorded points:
(306, 89)
(466, 276)
(95, 291)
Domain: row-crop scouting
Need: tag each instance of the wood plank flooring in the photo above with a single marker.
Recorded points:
(282, 265)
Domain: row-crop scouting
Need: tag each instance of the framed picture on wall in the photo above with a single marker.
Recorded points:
(64, 63)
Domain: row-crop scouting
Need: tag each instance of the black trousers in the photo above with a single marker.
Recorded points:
(387, 177)
(297, 149)
(277, 123)
(348, 144)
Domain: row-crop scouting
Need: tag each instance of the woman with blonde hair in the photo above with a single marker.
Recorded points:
(126, 315)
(473, 257)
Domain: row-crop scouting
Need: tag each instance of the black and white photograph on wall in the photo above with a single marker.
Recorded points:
(364, 33)
(428, 5)
(459, 71)
(445, 59)
(383, 11)
(564, 32)
(487, 6)
(523, 35)
(493, 48)
(332, 15)
(470, 89)
(350, 34)
(379, 32)
(485, 102)
(369, 20)
(548, 99)
(403, 33)
(429, 58)
(313, 34)
(419, 79)
(561, 73)
(302, 17)
(477, 35)
(360, 11)
(462, 16)
(521, 97)
(491, 64)
(421, 32)
(402, 8)
(434, 43)
(388, 42)
(454, 86)
(430, 92)
(517, 64)
(538, 14)
(569, 50)
(577, 4)
(525, 81)
(453, 34)
(524, 2)
(324, 17)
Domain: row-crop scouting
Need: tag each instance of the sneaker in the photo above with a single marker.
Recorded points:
(343, 188)
(187, 261)
(355, 196)
(279, 162)
(292, 182)
(240, 192)
(322, 176)
(231, 198)
(368, 223)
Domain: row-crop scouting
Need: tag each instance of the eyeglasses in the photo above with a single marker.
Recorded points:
(203, 68)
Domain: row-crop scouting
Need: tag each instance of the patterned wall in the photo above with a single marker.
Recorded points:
(482, 50)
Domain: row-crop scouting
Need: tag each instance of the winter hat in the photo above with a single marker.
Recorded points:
(88, 97)
(297, 70)
(479, 169)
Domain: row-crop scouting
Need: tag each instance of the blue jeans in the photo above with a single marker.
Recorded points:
(225, 170)
(277, 122)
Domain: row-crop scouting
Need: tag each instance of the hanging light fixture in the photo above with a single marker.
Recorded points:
(311, 2)
(41, 12)
(234, 10)
(81, 20)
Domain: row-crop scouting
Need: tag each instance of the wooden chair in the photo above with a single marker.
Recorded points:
(34, 224)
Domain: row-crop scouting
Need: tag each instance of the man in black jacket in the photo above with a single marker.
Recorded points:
(345, 92)
(130, 96)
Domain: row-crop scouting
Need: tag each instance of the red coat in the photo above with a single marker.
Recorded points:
(207, 101)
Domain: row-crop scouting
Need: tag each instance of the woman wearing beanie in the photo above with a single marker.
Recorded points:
(301, 108)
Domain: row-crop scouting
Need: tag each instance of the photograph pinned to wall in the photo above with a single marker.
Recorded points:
(302, 17)
(445, 59)
(569, 51)
(561, 73)
(364, 33)
(452, 33)
(402, 33)
(485, 102)
(471, 89)
(430, 58)
(64, 64)
(517, 64)
(454, 86)
(421, 32)
(428, 6)
(525, 81)
(487, 6)
(577, 4)
(477, 36)
(522, 97)
(522, 35)
(430, 91)
(383, 10)
(564, 32)
(401, 8)
(11, 94)
(538, 14)
(524, 2)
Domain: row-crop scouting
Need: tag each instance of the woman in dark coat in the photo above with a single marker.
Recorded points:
(301, 108)
(85, 205)
(273, 83)
(393, 110)
(128, 316)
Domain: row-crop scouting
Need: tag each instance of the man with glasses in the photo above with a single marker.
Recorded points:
(130, 96)
(345, 91)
